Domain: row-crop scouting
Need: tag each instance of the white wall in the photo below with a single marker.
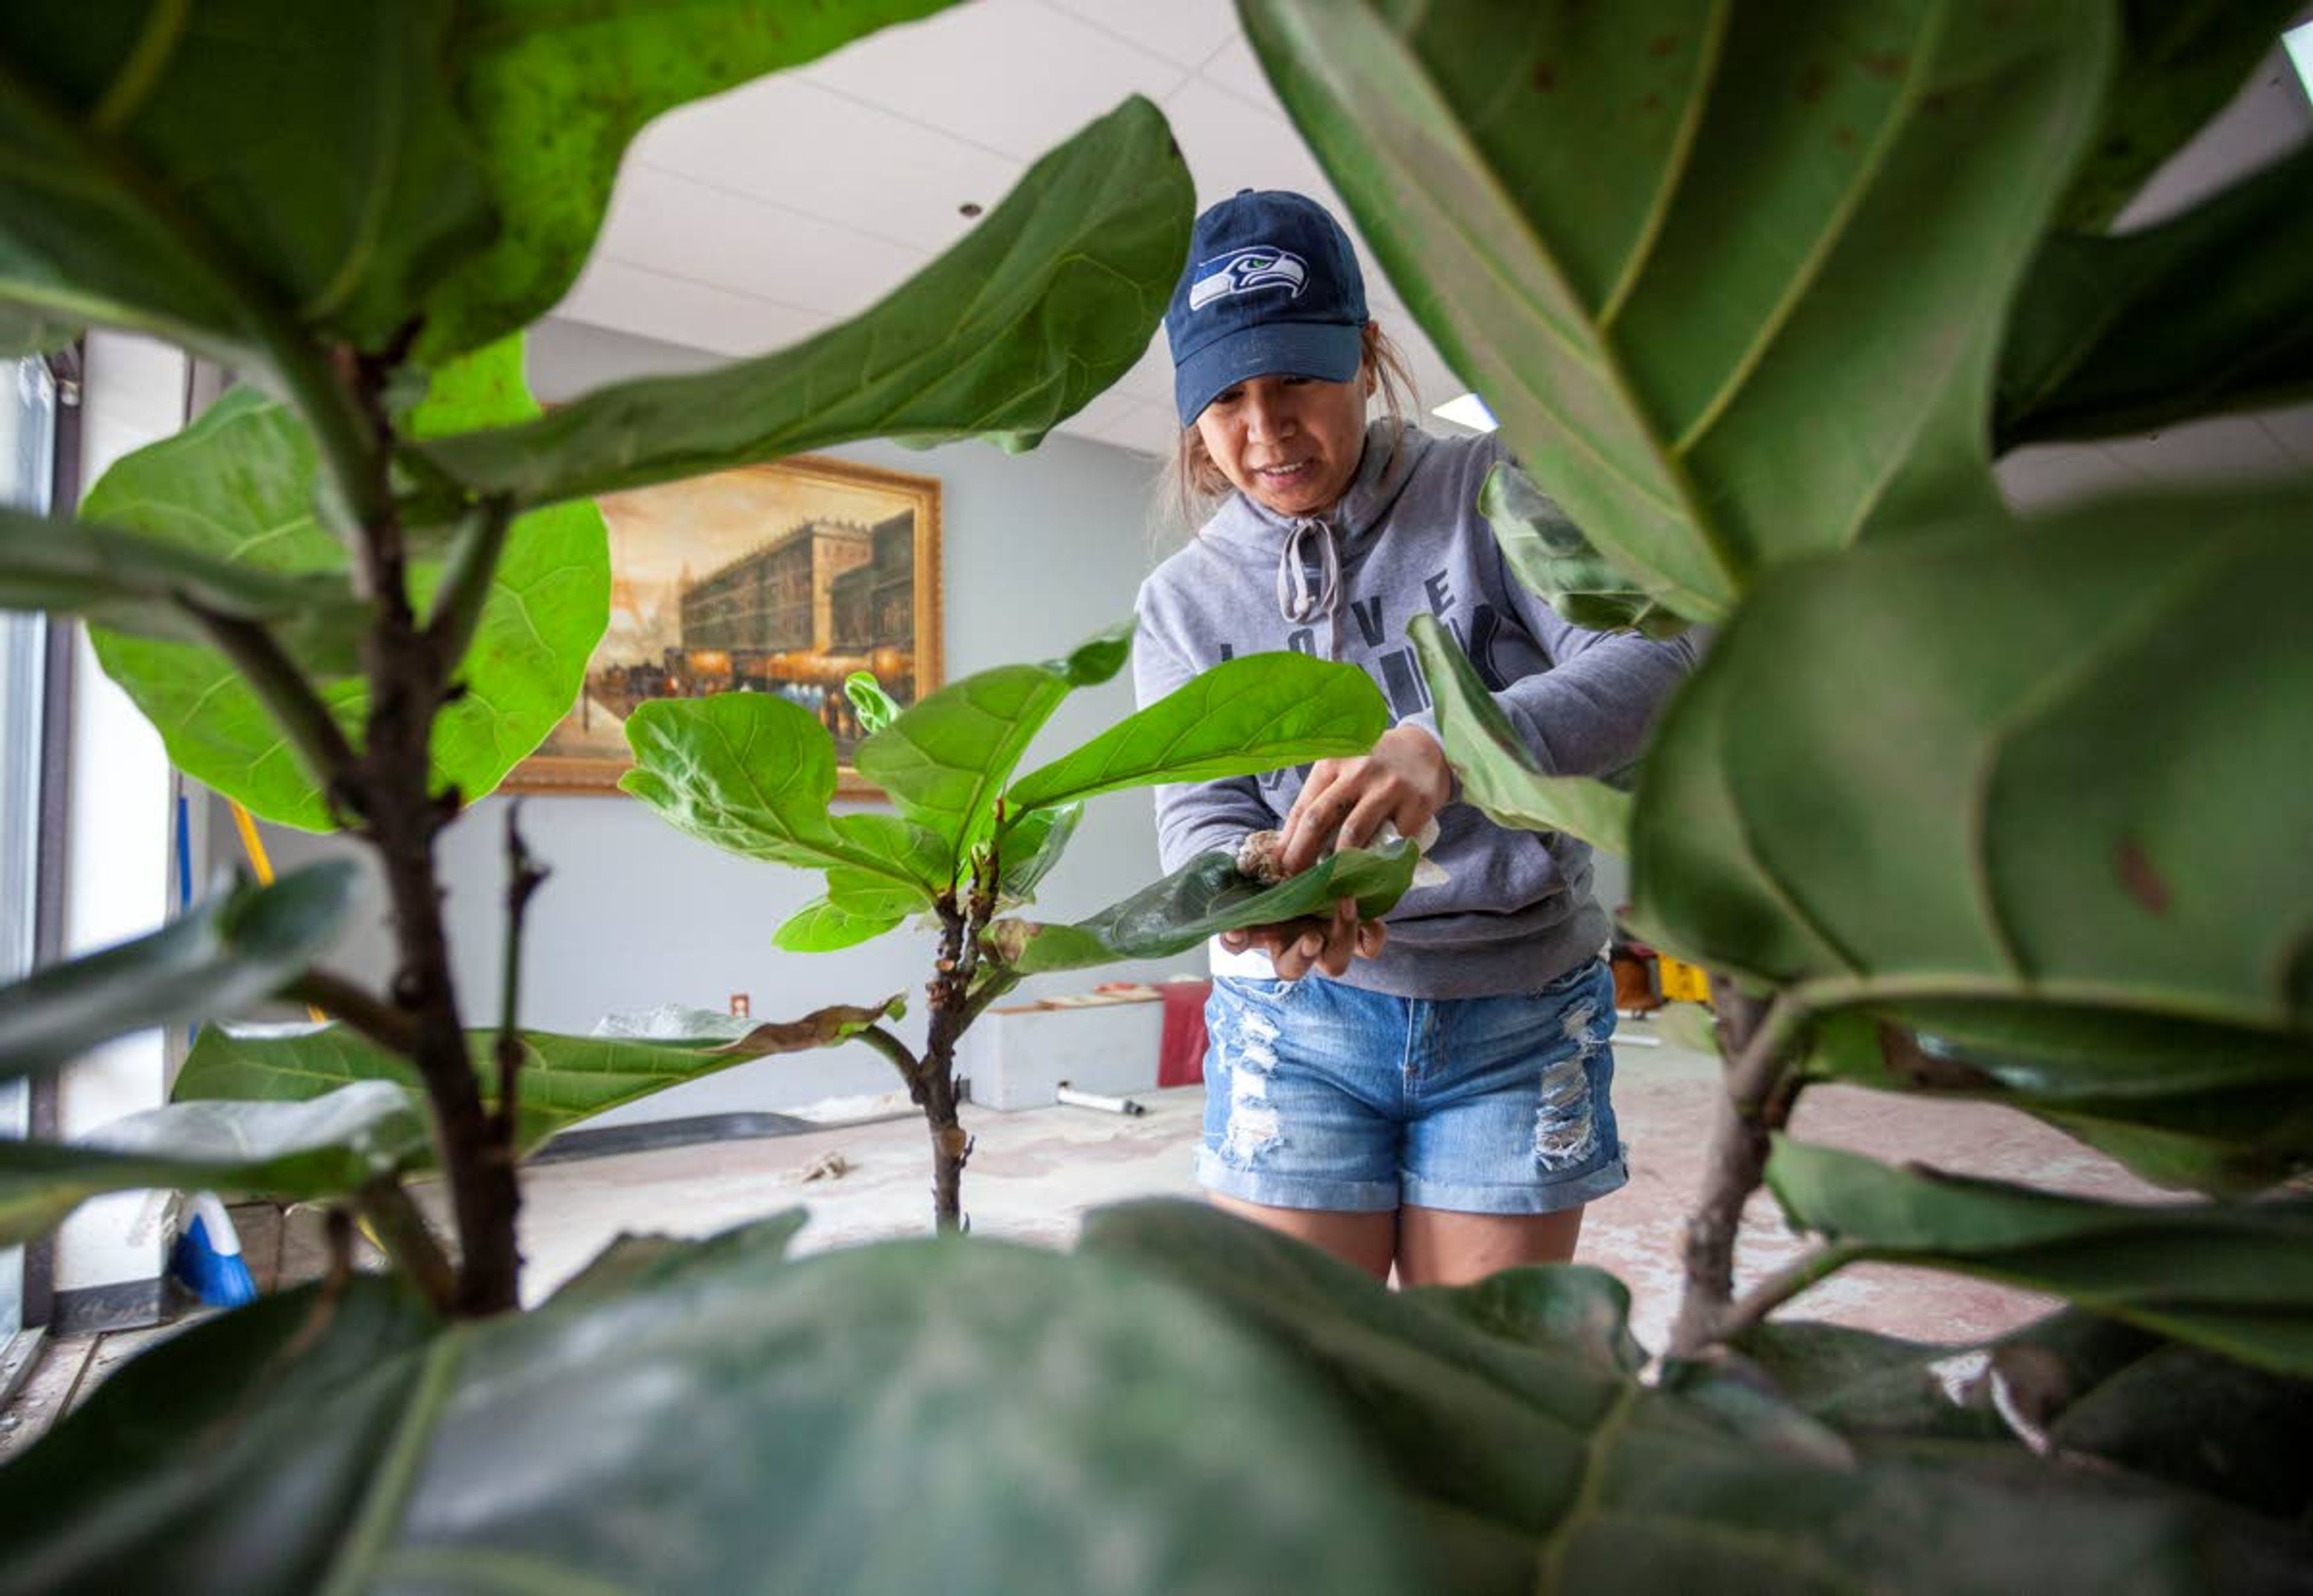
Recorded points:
(1039, 551)
(117, 837)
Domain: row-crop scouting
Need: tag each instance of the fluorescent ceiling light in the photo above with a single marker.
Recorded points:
(2300, 40)
(1470, 411)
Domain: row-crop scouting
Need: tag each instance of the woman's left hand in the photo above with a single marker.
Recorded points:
(1403, 781)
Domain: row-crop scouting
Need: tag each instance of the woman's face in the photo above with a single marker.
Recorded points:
(1289, 443)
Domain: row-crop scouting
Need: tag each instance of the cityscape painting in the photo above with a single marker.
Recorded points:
(783, 579)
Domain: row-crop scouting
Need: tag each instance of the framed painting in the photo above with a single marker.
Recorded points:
(784, 578)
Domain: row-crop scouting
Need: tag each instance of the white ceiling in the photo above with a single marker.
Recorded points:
(745, 223)
(742, 223)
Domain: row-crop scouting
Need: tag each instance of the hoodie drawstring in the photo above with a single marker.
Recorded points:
(1308, 578)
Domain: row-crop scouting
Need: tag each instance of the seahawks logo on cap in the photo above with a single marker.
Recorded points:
(1246, 270)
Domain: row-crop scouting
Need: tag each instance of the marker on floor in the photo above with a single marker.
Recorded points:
(1066, 1094)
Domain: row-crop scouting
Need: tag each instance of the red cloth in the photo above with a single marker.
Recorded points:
(1181, 1055)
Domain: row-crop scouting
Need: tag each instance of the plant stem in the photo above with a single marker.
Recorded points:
(342, 1000)
(950, 1146)
(524, 878)
(292, 701)
(1757, 1100)
(1785, 1284)
(403, 816)
(401, 1229)
(903, 1057)
(465, 588)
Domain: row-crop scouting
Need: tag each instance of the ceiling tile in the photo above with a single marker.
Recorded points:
(1151, 377)
(1011, 75)
(1230, 145)
(2267, 120)
(2292, 432)
(1239, 70)
(1185, 31)
(2210, 451)
(789, 141)
(634, 299)
(687, 229)
(1104, 409)
(1147, 429)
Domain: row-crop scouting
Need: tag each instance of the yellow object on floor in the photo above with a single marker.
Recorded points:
(1683, 982)
(263, 866)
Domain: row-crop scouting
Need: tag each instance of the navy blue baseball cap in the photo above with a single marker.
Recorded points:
(1272, 289)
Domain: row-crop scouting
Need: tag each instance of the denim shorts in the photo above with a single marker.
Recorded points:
(1321, 1095)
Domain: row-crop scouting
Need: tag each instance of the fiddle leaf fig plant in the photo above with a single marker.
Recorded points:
(1961, 802)
(755, 776)
(361, 587)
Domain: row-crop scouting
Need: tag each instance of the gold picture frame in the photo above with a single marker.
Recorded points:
(782, 578)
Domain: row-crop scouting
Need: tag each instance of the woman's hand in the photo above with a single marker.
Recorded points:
(1321, 941)
(1403, 781)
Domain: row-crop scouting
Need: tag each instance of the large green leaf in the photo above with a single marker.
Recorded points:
(1500, 776)
(563, 1079)
(632, 1262)
(2180, 61)
(973, 1418)
(1648, 235)
(249, 1384)
(2211, 1107)
(1548, 553)
(1994, 768)
(329, 1147)
(945, 758)
(1858, 1382)
(2182, 1415)
(2236, 1278)
(142, 587)
(1538, 1463)
(551, 94)
(754, 775)
(2085, 1386)
(1042, 306)
(2211, 310)
(232, 950)
(235, 174)
(1245, 715)
(238, 485)
(1204, 898)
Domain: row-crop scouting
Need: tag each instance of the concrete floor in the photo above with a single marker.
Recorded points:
(1035, 1173)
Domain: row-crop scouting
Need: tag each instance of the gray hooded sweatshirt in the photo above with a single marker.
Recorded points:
(1516, 910)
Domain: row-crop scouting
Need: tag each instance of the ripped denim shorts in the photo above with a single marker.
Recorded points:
(1321, 1095)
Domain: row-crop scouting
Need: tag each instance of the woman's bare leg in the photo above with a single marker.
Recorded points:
(1364, 1240)
(1435, 1246)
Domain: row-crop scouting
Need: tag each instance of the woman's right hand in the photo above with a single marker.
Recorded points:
(1321, 942)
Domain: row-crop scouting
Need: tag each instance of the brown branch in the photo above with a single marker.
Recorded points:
(1785, 1284)
(292, 701)
(948, 994)
(524, 878)
(903, 1057)
(1758, 1037)
(465, 590)
(341, 999)
(403, 816)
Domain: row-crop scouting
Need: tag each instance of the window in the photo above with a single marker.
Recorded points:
(28, 412)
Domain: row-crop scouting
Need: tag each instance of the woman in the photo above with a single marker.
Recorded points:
(1435, 1099)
